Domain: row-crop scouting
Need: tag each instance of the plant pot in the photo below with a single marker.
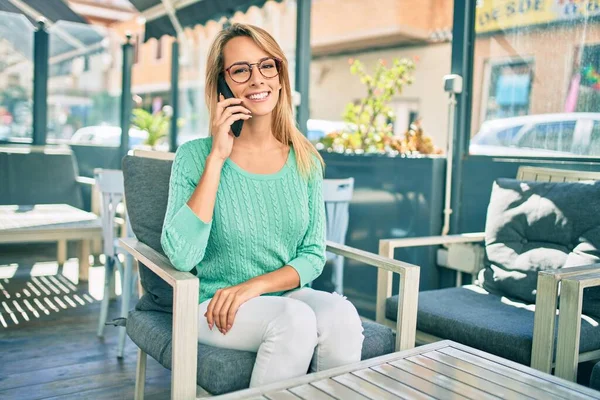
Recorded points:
(394, 197)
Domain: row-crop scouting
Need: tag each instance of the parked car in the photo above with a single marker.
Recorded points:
(554, 135)
(318, 128)
(107, 136)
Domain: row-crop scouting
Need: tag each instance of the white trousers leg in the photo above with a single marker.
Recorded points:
(339, 328)
(304, 328)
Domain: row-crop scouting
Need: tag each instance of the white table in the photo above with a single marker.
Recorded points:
(441, 370)
(52, 223)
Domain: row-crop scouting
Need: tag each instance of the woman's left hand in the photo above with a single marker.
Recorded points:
(225, 303)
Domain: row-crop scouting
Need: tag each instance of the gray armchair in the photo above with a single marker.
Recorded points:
(537, 234)
(164, 322)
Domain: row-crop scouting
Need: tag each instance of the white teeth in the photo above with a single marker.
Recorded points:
(258, 96)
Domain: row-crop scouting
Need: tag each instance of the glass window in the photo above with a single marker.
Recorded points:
(536, 64)
(82, 90)
(16, 77)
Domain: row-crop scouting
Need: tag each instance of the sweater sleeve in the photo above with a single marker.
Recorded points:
(310, 255)
(184, 236)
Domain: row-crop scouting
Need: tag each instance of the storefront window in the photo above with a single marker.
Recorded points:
(16, 77)
(536, 78)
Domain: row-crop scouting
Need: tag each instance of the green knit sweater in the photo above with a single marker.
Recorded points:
(261, 222)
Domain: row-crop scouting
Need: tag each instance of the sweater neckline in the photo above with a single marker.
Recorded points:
(274, 175)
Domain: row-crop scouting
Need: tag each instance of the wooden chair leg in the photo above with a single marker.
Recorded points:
(542, 351)
(125, 298)
(108, 277)
(61, 252)
(84, 260)
(569, 329)
(140, 375)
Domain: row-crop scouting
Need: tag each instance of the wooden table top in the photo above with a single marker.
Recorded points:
(46, 216)
(441, 370)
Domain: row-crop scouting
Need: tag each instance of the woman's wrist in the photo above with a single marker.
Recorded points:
(214, 159)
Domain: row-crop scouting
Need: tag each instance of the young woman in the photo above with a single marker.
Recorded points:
(247, 212)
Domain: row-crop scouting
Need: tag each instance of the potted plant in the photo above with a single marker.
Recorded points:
(157, 125)
(369, 122)
(399, 180)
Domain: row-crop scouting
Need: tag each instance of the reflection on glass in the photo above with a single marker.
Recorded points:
(536, 81)
(16, 72)
(83, 93)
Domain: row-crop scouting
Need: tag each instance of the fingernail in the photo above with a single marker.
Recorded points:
(228, 327)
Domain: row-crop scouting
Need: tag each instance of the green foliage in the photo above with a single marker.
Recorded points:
(157, 125)
(370, 119)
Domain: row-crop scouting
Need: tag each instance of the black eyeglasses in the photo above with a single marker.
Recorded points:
(241, 72)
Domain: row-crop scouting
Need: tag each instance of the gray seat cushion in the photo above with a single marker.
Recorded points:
(595, 379)
(473, 317)
(147, 191)
(223, 370)
(536, 226)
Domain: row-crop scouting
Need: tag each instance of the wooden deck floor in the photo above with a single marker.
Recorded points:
(48, 343)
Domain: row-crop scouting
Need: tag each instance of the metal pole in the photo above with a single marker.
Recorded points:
(463, 43)
(41, 44)
(303, 59)
(126, 105)
(174, 95)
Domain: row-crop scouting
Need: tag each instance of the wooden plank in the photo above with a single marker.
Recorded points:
(308, 392)
(72, 385)
(340, 370)
(569, 323)
(281, 395)
(338, 390)
(157, 389)
(518, 373)
(482, 379)
(400, 369)
(410, 388)
(542, 349)
(364, 387)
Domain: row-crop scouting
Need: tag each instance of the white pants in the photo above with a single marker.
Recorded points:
(304, 328)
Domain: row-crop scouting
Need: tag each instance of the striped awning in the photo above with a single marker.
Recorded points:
(169, 17)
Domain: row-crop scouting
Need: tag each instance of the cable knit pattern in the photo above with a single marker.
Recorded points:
(261, 222)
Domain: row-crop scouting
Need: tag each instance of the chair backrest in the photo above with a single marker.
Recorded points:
(39, 175)
(109, 183)
(547, 219)
(146, 179)
(337, 194)
(541, 174)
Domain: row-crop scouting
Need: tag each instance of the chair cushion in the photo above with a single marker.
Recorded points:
(147, 190)
(535, 226)
(471, 316)
(224, 370)
(595, 379)
(39, 177)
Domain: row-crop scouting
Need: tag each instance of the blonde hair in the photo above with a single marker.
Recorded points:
(283, 124)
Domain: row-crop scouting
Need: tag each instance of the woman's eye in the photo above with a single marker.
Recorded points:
(240, 70)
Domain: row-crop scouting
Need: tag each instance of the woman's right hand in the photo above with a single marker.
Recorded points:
(228, 111)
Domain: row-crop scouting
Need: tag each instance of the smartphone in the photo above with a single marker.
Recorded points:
(223, 88)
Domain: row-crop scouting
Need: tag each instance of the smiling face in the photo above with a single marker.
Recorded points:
(260, 94)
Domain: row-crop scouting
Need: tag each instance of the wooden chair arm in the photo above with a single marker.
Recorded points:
(569, 321)
(406, 322)
(185, 315)
(391, 244)
(542, 352)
